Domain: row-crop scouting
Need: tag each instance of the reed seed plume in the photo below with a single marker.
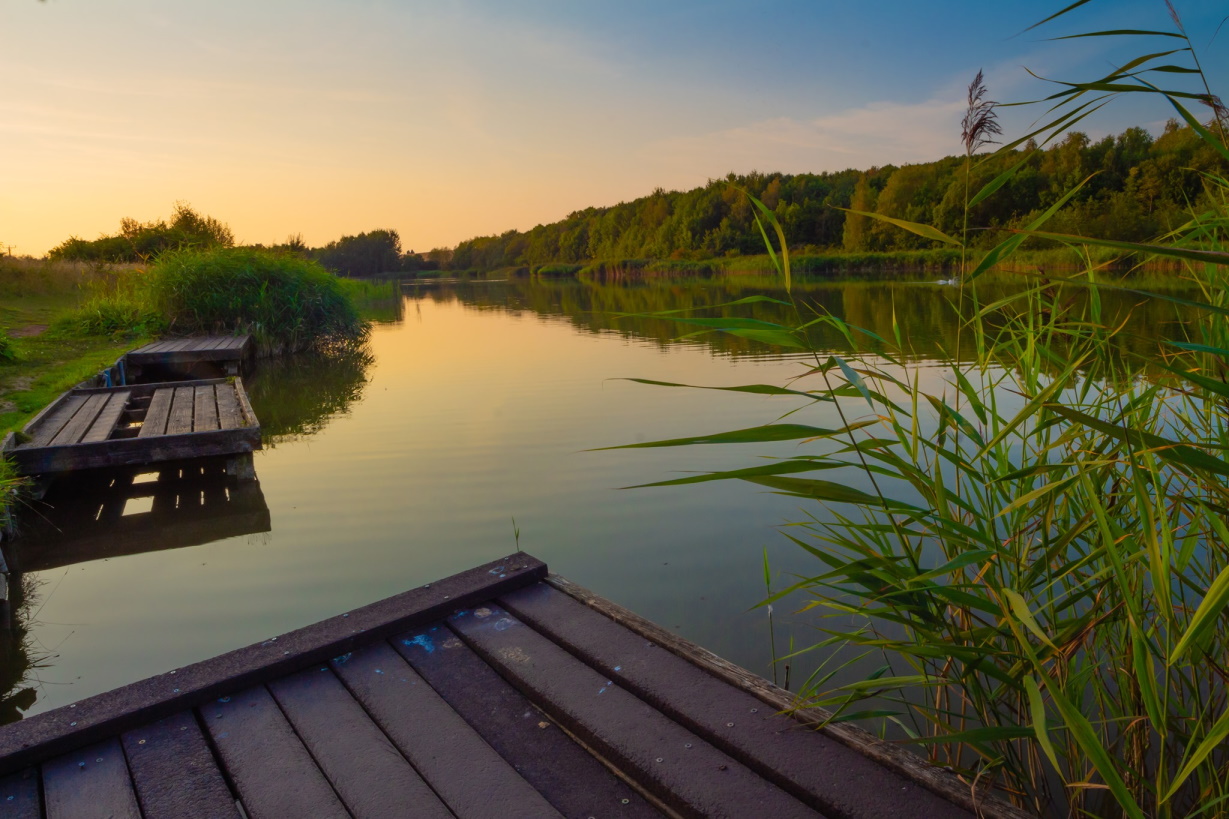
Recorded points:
(981, 122)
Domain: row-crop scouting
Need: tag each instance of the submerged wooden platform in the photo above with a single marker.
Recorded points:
(228, 352)
(498, 692)
(139, 424)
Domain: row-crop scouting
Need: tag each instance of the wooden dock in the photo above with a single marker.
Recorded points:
(174, 355)
(139, 424)
(501, 691)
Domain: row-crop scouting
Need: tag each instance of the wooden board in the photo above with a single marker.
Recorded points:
(371, 776)
(81, 421)
(90, 783)
(982, 801)
(230, 416)
(188, 350)
(157, 414)
(678, 767)
(182, 406)
(473, 780)
(43, 428)
(19, 797)
(174, 773)
(206, 413)
(104, 424)
(269, 765)
(829, 776)
(570, 778)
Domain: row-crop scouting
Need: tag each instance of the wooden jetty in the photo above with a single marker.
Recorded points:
(502, 691)
(184, 354)
(139, 424)
(99, 514)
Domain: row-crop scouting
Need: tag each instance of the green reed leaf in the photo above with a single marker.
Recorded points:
(751, 435)
(777, 468)
(1214, 739)
(1037, 712)
(829, 491)
(925, 231)
(1182, 454)
(1206, 616)
(1169, 251)
(755, 389)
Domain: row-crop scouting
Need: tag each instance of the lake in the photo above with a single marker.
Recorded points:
(472, 417)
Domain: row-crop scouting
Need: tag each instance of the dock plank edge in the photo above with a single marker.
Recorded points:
(65, 729)
(905, 763)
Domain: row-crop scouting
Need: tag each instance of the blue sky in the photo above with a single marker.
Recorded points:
(447, 120)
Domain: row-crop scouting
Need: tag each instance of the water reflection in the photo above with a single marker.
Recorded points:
(18, 655)
(925, 312)
(103, 514)
(296, 396)
(100, 514)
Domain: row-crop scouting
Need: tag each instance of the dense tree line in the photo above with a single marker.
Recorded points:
(367, 254)
(1141, 186)
(142, 241)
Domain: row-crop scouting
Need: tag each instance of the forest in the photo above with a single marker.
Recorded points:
(1140, 188)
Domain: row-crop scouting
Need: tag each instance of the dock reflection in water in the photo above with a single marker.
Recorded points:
(112, 513)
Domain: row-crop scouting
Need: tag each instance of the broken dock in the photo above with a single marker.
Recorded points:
(185, 354)
(501, 691)
(93, 427)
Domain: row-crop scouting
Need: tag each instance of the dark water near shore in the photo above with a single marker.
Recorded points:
(475, 403)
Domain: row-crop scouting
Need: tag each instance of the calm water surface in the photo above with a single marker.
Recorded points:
(479, 404)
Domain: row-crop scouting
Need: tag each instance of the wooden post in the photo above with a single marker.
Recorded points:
(241, 466)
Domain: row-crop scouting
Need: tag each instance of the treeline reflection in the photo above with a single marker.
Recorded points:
(926, 313)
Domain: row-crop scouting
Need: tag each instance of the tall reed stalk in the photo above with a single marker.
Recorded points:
(1036, 540)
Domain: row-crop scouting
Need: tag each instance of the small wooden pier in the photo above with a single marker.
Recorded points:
(502, 691)
(94, 427)
(184, 354)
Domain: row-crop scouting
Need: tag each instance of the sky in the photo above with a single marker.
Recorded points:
(450, 119)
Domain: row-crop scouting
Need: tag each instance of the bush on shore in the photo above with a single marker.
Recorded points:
(287, 303)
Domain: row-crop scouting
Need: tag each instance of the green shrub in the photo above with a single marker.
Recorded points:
(287, 303)
(8, 350)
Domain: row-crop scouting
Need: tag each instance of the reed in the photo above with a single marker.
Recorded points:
(286, 302)
(1035, 542)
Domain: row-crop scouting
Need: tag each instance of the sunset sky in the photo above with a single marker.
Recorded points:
(446, 120)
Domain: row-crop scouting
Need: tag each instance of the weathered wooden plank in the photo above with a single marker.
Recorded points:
(827, 775)
(157, 414)
(205, 418)
(570, 778)
(370, 775)
(45, 735)
(272, 771)
(981, 801)
(230, 416)
(174, 772)
(180, 420)
(81, 421)
(471, 778)
(90, 783)
(43, 429)
(19, 796)
(675, 765)
(134, 451)
(104, 424)
(249, 416)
